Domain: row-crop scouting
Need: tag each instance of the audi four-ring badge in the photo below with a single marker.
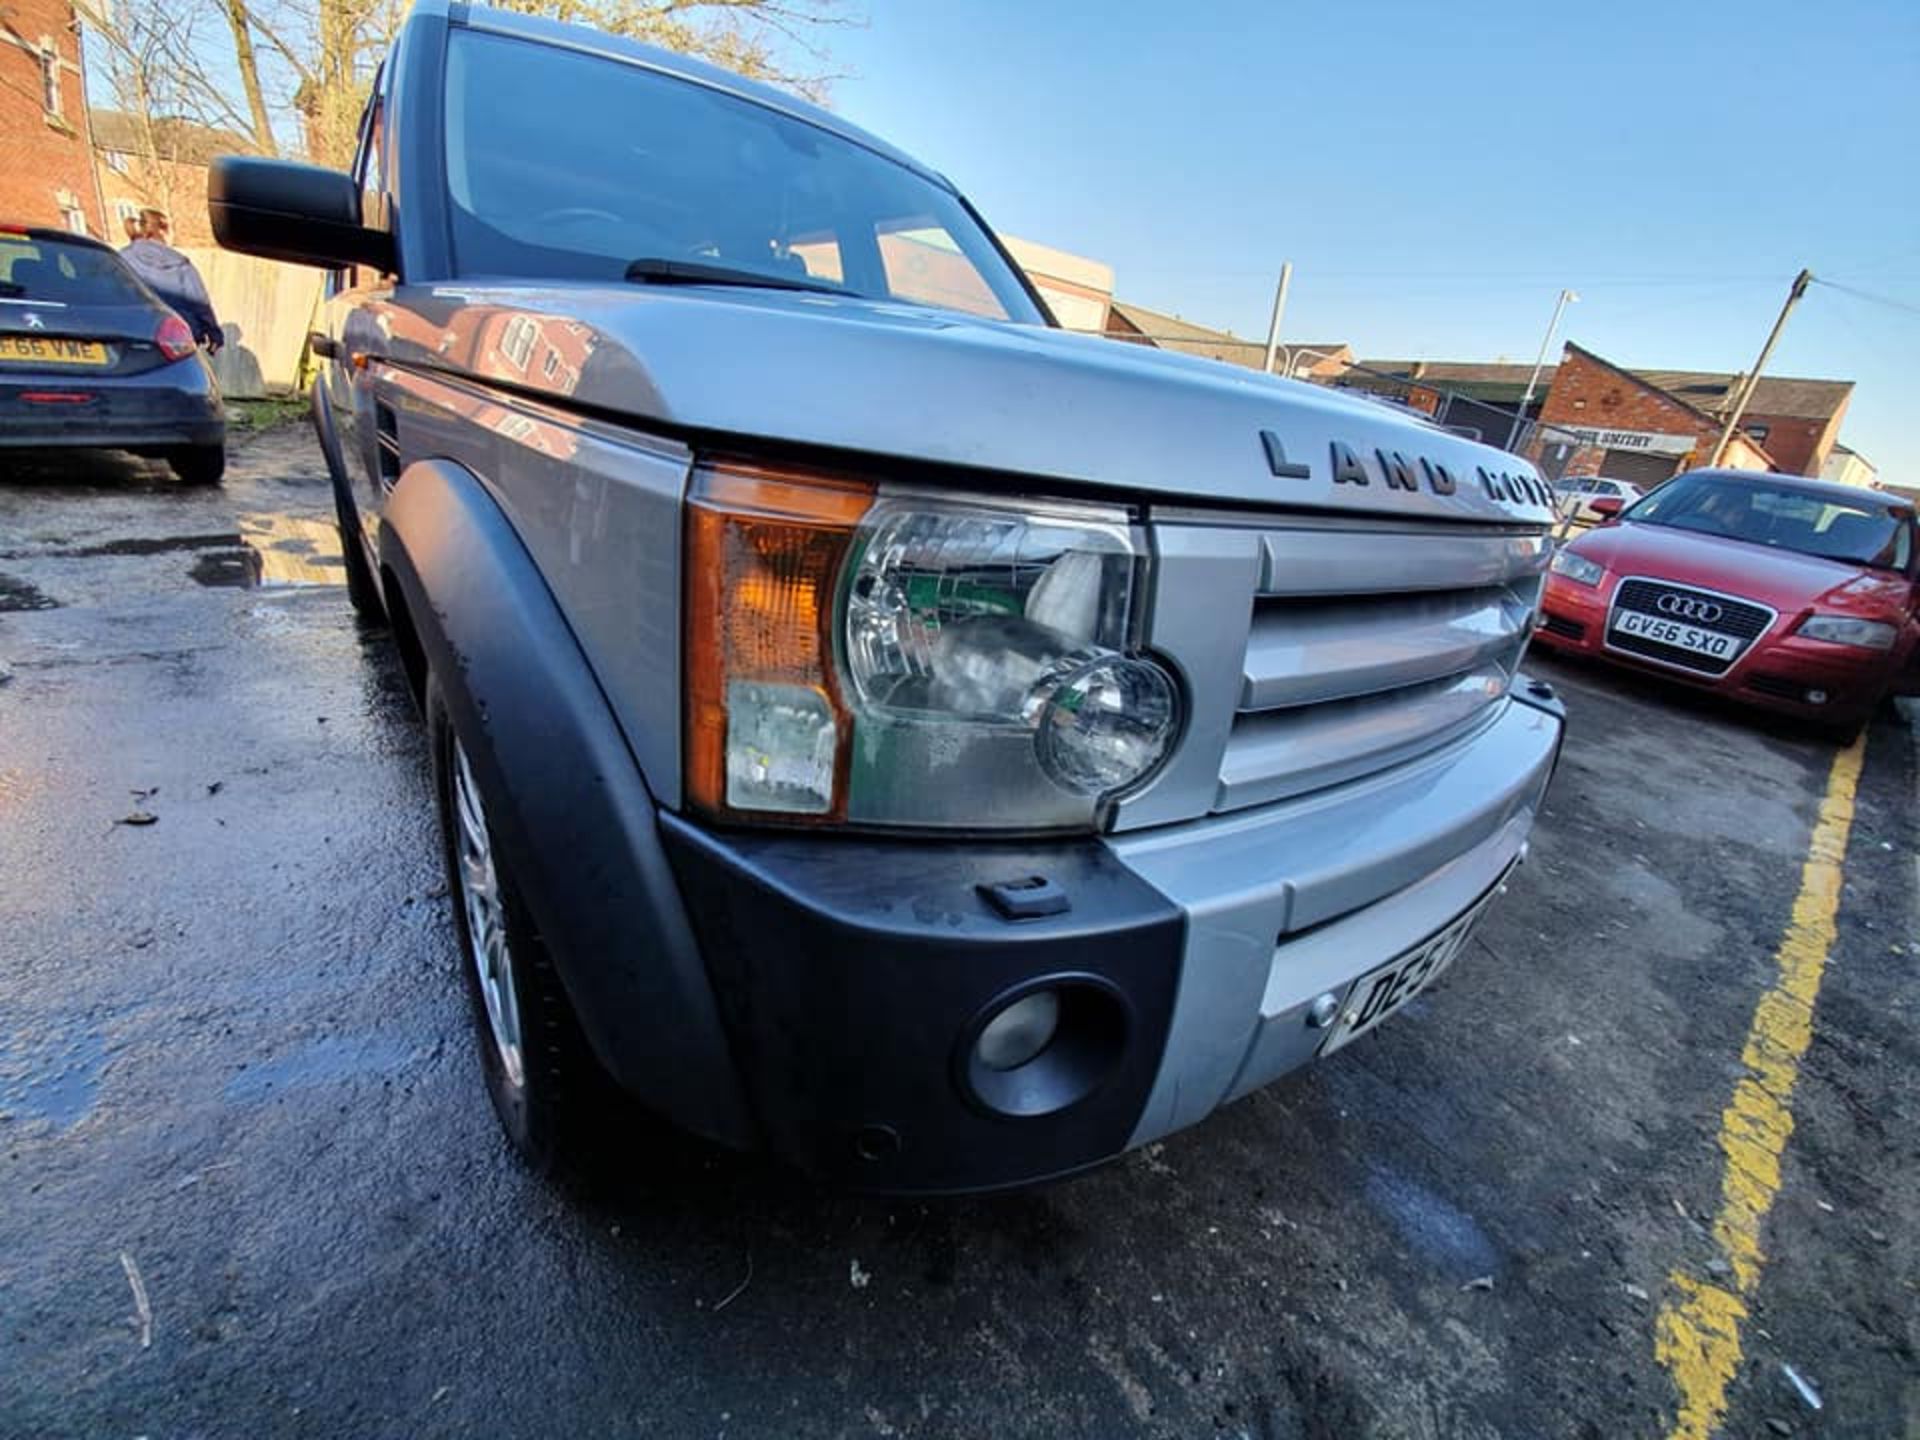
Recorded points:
(868, 724)
(1689, 607)
(1794, 595)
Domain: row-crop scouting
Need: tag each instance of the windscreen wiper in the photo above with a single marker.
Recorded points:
(655, 271)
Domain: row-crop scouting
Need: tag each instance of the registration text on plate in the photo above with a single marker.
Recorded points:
(1674, 633)
(47, 350)
(1380, 993)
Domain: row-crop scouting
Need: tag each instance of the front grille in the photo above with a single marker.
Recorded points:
(1720, 615)
(1559, 625)
(1737, 618)
(1361, 647)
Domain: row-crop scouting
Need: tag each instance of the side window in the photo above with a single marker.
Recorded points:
(369, 169)
(1607, 487)
(372, 171)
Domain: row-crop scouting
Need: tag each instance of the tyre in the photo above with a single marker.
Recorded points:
(199, 464)
(363, 591)
(547, 1089)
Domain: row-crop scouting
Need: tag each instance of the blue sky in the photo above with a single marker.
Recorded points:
(1437, 173)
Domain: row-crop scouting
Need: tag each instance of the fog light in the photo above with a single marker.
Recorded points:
(1816, 697)
(1019, 1032)
(1043, 1048)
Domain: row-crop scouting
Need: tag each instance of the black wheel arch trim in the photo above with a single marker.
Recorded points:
(573, 812)
(326, 432)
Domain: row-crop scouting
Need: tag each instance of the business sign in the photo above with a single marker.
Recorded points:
(1645, 442)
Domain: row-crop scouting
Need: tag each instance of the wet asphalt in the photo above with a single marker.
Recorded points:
(237, 1077)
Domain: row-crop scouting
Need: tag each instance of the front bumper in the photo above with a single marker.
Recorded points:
(171, 406)
(1779, 672)
(854, 974)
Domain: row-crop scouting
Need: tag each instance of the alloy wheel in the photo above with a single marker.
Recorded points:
(488, 948)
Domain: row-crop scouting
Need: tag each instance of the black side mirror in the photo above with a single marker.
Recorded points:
(286, 211)
(1607, 507)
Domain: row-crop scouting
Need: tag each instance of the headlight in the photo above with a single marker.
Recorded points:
(887, 658)
(1577, 568)
(1845, 630)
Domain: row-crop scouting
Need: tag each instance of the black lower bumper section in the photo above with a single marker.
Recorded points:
(855, 977)
(111, 413)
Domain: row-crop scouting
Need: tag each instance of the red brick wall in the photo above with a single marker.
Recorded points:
(1799, 446)
(170, 185)
(45, 156)
(1592, 395)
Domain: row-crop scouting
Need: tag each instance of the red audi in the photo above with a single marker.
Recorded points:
(1793, 595)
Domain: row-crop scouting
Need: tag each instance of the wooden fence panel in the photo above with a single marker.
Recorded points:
(267, 310)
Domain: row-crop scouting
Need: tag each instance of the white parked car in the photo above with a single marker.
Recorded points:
(1575, 496)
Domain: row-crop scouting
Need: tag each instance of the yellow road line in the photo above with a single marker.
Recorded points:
(1697, 1336)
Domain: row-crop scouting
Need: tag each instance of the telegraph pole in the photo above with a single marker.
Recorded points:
(1800, 283)
(1279, 309)
(1540, 360)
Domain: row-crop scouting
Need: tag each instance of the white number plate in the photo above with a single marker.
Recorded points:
(1672, 632)
(1380, 993)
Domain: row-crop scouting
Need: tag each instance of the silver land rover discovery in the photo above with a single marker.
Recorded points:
(870, 723)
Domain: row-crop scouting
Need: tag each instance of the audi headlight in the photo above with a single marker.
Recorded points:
(1846, 630)
(887, 658)
(1578, 568)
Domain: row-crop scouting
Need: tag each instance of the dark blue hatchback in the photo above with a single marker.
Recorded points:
(91, 358)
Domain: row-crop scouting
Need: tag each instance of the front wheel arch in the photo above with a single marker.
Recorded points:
(574, 811)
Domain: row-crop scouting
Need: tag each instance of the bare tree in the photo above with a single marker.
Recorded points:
(247, 62)
(295, 73)
(751, 37)
(164, 76)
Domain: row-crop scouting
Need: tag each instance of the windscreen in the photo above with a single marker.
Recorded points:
(55, 272)
(569, 166)
(1868, 531)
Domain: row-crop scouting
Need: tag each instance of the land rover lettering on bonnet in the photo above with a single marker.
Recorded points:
(871, 724)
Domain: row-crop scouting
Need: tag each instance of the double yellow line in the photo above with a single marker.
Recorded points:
(1697, 1337)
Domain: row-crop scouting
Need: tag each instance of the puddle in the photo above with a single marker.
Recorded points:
(140, 545)
(237, 569)
(273, 550)
(325, 1061)
(17, 594)
(266, 551)
(295, 551)
(56, 1081)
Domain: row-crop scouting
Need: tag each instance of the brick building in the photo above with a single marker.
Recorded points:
(1600, 419)
(160, 163)
(1795, 421)
(46, 150)
(1138, 325)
